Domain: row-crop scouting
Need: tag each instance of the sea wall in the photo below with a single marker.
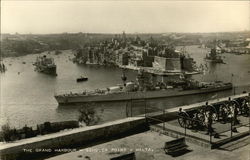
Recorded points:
(92, 135)
(75, 137)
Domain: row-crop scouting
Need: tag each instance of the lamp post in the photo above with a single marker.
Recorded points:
(123, 77)
(232, 83)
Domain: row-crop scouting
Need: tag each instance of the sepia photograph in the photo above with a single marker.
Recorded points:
(125, 80)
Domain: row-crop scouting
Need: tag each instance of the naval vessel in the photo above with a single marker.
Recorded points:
(213, 57)
(141, 89)
(45, 65)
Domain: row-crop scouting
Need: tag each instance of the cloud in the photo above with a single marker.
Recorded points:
(130, 16)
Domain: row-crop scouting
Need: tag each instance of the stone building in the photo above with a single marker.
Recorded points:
(122, 58)
(167, 64)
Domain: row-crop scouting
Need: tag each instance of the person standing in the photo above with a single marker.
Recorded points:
(210, 129)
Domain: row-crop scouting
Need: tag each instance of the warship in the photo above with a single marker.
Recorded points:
(213, 57)
(143, 88)
(45, 65)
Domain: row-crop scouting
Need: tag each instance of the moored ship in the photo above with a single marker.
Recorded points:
(45, 65)
(213, 57)
(120, 94)
(143, 88)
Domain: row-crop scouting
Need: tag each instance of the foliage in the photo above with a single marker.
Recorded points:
(18, 44)
(88, 115)
(7, 134)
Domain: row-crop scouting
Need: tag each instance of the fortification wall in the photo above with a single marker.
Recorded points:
(80, 136)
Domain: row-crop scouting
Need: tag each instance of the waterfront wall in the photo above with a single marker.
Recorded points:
(92, 135)
(76, 137)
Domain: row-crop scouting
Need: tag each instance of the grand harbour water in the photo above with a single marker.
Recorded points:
(27, 97)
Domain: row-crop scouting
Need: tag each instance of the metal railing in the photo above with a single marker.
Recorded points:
(232, 127)
(197, 125)
(157, 120)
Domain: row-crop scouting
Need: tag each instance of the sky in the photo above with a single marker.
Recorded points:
(43, 17)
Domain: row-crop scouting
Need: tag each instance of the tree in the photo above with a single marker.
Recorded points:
(7, 134)
(88, 115)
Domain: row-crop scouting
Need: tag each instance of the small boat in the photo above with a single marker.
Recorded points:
(81, 79)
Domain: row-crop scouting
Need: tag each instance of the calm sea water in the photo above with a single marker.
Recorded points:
(27, 97)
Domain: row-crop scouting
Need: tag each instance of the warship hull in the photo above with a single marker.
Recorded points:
(122, 96)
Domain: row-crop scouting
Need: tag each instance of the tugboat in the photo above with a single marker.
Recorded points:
(212, 57)
(45, 65)
(81, 79)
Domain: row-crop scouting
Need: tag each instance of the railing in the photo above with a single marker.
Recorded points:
(231, 127)
(157, 120)
(156, 117)
(200, 125)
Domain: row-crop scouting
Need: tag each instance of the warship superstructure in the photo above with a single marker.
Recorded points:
(45, 65)
(213, 57)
